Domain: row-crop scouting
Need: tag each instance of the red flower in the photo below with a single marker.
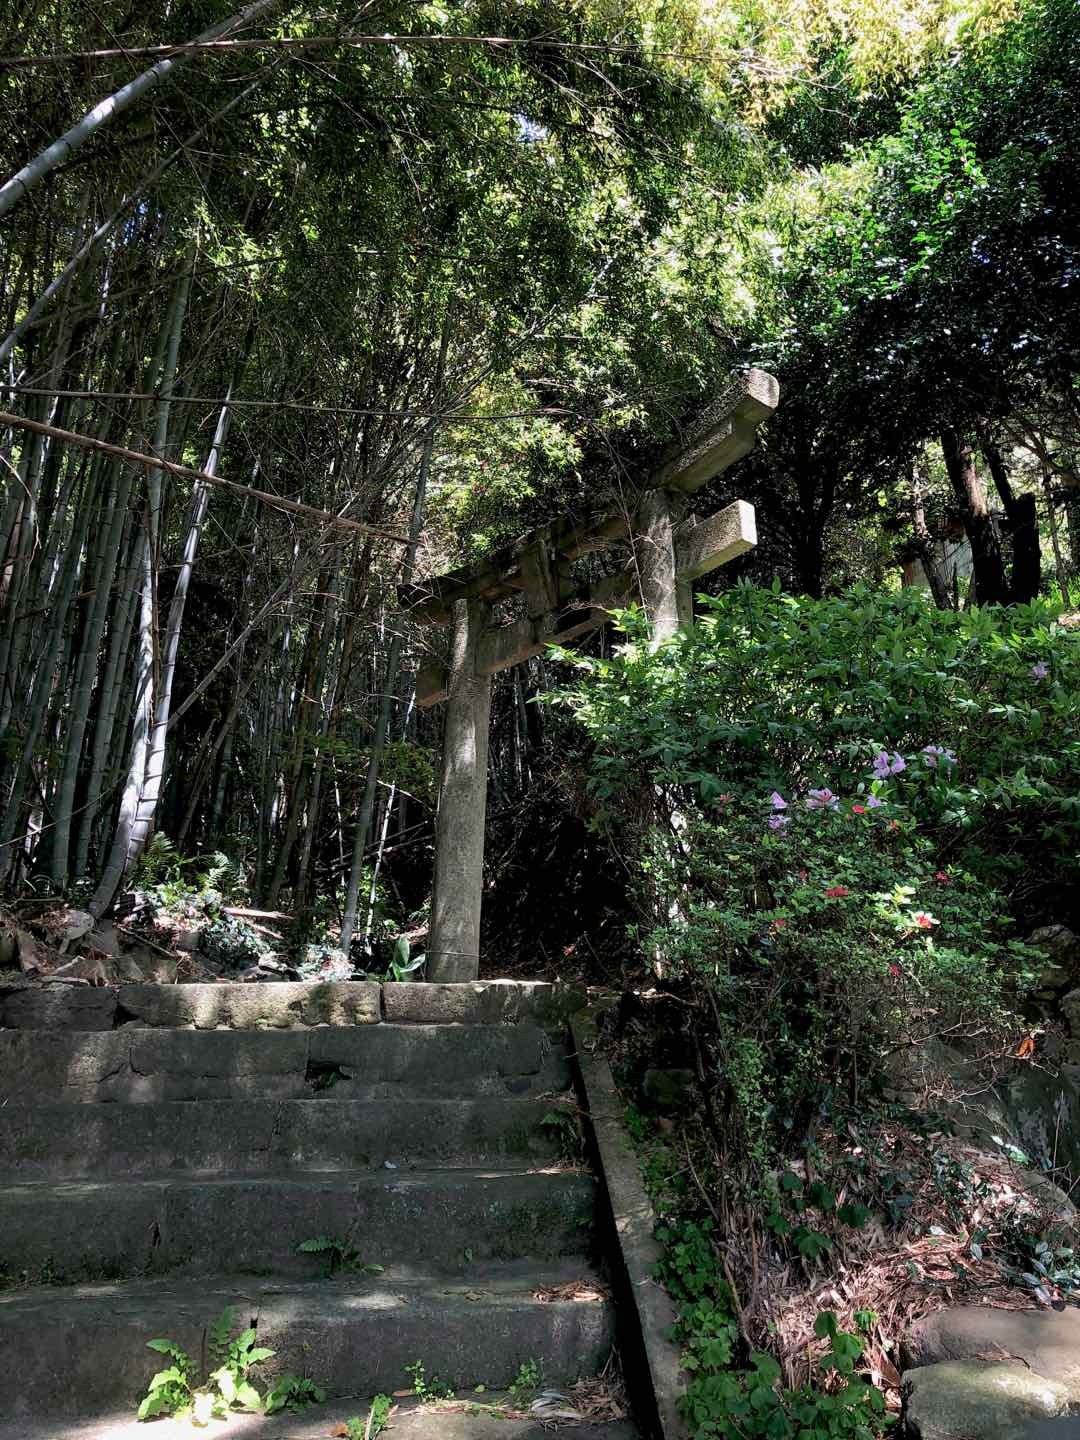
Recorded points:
(779, 924)
(858, 809)
(837, 892)
(943, 876)
(895, 972)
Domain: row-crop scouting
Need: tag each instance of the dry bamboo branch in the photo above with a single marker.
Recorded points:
(185, 472)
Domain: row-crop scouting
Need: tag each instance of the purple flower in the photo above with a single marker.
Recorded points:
(884, 765)
(1040, 670)
(777, 822)
(874, 802)
(935, 754)
(822, 800)
(777, 800)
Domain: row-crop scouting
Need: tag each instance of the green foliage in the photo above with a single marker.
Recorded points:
(860, 780)
(357, 1428)
(427, 1391)
(770, 691)
(525, 1384)
(180, 1390)
(230, 944)
(337, 1255)
(724, 1399)
(292, 1393)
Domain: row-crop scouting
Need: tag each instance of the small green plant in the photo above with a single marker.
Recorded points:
(180, 1390)
(427, 1391)
(378, 1415)
(293, 1392)
(563, 1126)
(339, 1256)
(524, 1387)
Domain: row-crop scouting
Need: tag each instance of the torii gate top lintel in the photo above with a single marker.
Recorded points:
(722, 434)
(671, 549)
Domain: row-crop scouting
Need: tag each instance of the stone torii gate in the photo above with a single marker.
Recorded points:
(670, 550)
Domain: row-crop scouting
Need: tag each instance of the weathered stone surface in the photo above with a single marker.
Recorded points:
(973, 1400)
(1062, 967)
(254, 1136)
(1042, 1112)
(482, 1420)
(94, 1229)
(84, 1351)
(249, 1007)
(482, 1002)
(367, 1062)
(58, 1007)
(1046, 1340)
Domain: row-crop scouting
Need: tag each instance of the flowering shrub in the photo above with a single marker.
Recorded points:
(862, 785)
(825, 947)
(972, 718)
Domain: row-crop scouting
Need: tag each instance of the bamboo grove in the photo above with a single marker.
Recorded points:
(297, 304)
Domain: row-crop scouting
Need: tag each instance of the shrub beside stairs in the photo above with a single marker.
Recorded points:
(167, 1150)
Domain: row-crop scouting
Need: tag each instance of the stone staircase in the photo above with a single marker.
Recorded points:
(157, 1166)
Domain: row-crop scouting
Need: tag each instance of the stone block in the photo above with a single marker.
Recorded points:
(978, 1400)
(277, 1006)
(1047, 1341)
(481, 1002)
(58, 1007)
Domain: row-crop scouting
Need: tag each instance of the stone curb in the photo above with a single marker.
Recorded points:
(639, 1251)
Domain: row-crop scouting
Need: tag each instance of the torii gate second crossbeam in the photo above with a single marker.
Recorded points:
(670, 551)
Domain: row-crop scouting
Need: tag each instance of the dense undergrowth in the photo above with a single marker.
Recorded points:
(844, 816)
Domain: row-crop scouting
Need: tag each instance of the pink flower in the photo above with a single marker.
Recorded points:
(858, 809)
(943, 877)
(886, 765)
(933, 754)
(777, 822)
(837, 892)
(923, 920)
(779, 924)
(822, 800)
(895, 971)
(777, 801)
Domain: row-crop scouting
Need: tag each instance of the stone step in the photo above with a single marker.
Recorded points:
(74, 1353)
(26, 1005)
(366, 1062)
(58, 1142)
(445, 1220)
(473, 1416)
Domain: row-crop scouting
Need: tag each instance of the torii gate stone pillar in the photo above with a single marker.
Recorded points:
(671, 550)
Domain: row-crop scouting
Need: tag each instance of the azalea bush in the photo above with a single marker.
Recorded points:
(846, 812)
(823, 937)
(775, 692)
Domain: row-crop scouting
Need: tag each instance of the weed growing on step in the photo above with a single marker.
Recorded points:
(338, 1255)
(428, 1392)
(293, 1392)
(563, 1125)
(523, 1389)
(357, 1428)
(181, 1390)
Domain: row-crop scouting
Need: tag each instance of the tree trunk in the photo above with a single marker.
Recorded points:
(989, 569)
(1023, 517)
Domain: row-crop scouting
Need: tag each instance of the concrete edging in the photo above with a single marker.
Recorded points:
(634, 1223)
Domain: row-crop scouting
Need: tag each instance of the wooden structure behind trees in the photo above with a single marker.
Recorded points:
(669, 549)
